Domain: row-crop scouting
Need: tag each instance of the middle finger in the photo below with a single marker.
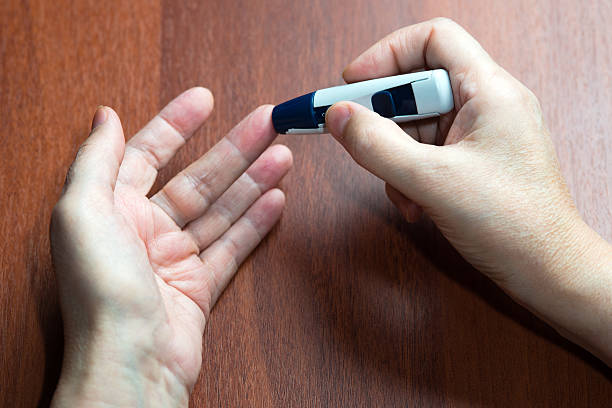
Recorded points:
(189, 194)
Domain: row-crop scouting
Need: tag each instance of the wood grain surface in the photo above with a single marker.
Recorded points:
(344, 304)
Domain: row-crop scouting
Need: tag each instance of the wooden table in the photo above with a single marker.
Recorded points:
(344, 304)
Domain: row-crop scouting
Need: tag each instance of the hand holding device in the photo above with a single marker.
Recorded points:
(492, 183)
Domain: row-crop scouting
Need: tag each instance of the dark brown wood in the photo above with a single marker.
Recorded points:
(344, 304)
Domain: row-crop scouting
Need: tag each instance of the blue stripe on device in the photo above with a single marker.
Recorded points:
(296, 113)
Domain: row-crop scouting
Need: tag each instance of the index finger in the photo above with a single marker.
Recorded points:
(154, 145)
(437, 43)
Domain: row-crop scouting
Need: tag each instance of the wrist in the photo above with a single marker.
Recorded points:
(571, 287)
(587, 294)
(107, 369)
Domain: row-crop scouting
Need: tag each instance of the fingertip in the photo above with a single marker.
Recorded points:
(263, 112)
(282, 155)
(265, 108)
(411, 211)
(355, 72)
(188, 111)
(347, 74)
(338, 115)
(336, 118)
(393, 195)
(369, 64)
(260, 121)
(99, 118)
(254, 133)
(205, 96)
(272, 165)
(106, 121)
(267, 210)
(113, 117)
(99, 157)
(276, 197)
(201, 95)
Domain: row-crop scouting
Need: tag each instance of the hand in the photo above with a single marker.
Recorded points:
(138, 276)
(487, 175)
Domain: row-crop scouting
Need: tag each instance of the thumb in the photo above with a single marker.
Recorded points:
(382, 147)
(99, 157)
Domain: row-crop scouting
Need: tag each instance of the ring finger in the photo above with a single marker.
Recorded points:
(264, 174)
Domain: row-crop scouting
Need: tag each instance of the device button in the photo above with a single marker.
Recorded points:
(382, 103)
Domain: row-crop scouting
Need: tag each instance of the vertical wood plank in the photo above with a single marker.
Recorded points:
(58, 61)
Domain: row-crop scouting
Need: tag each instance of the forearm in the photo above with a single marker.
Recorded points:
(573, 290)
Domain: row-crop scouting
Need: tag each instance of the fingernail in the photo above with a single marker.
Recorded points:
(99, 117)
(337, 116)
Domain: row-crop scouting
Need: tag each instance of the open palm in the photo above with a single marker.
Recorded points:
(158, 264)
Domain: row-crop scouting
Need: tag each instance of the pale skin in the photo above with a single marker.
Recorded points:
(139, 276)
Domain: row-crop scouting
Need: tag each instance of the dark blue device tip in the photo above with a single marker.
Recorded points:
(296, 113)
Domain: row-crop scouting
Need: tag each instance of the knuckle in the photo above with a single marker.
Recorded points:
(513, 96)
(64, 207)
(71, 209)
(507, 90)
(84, 150)
(61, 215)
(81, 155)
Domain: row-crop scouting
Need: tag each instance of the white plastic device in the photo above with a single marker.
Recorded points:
(401, 98)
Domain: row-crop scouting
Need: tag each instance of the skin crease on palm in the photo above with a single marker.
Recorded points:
(138, 276)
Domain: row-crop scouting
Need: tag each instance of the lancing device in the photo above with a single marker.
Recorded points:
(401, 98)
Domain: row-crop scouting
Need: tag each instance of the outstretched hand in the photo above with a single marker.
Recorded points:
(138, 276)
